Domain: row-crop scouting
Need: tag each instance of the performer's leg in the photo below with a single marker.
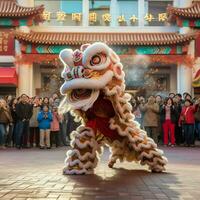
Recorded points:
(117, 149)
(147, 152)
(82, 159)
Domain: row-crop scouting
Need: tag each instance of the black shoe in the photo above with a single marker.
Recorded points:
(48, 147)
(41, 147)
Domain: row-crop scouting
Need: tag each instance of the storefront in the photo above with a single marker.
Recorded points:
(157, 59)
(150, 59)
(8, 81)
(188, 19)
(13, 16)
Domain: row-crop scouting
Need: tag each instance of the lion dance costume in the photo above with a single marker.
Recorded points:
(94, 91)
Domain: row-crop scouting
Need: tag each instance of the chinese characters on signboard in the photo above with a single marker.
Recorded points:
(61, 16)
(76, 17)
(6, 42)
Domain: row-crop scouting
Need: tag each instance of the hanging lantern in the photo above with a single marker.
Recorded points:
(46, 15)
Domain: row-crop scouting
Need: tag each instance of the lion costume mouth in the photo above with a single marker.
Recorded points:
(81, 93)
(96, 83)
(77, 94)
(82, 98)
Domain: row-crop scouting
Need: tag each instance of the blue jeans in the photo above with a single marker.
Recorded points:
(2, 134)
(21, 133)
(188, 130)
(9, 138)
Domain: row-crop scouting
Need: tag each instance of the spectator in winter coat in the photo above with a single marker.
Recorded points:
(44, 119)
(55, 127)
(5, 119)
(51, 101)
(159, 101)
(136, 110)
(178, 103)
(12, 129)
(186, 120)
(197, 118)
(150, 121)
(65, 138)
(169, 118)
(34, 130)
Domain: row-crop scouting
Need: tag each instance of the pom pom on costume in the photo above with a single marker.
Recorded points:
(94, 91)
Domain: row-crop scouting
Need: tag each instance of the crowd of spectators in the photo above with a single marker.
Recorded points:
(34, 122)
(173, 120)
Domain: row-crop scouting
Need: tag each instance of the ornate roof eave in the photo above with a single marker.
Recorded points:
(111, 38)
(190, 12)
(11, 9)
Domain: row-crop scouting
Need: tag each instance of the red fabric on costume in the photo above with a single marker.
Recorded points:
(99, 116)
(102, 125)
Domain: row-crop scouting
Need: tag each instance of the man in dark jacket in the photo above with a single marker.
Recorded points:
(179, 103)
(24, 112)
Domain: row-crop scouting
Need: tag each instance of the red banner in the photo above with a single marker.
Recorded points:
(7, 42)
(197, 46)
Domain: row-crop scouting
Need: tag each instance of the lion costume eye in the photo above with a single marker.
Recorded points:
(96, 57)
(95, 60)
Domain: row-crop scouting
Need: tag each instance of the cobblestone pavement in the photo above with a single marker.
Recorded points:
(35, 174)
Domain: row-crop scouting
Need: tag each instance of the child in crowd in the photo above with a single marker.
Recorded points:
(55, 127)
(44, 119)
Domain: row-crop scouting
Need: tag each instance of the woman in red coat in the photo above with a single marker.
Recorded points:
(187, 121)
(168, 116)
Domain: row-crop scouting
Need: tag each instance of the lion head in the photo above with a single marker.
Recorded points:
(93, 69)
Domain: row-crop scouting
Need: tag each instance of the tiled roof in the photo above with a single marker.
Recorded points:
(10, 8)
(119, 38)
(190, 12)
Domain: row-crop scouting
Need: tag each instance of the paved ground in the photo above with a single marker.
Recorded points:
(36, 174)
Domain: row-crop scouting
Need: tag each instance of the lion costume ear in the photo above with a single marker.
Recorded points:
(66, 56)
(84, 47)
(114, 57)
